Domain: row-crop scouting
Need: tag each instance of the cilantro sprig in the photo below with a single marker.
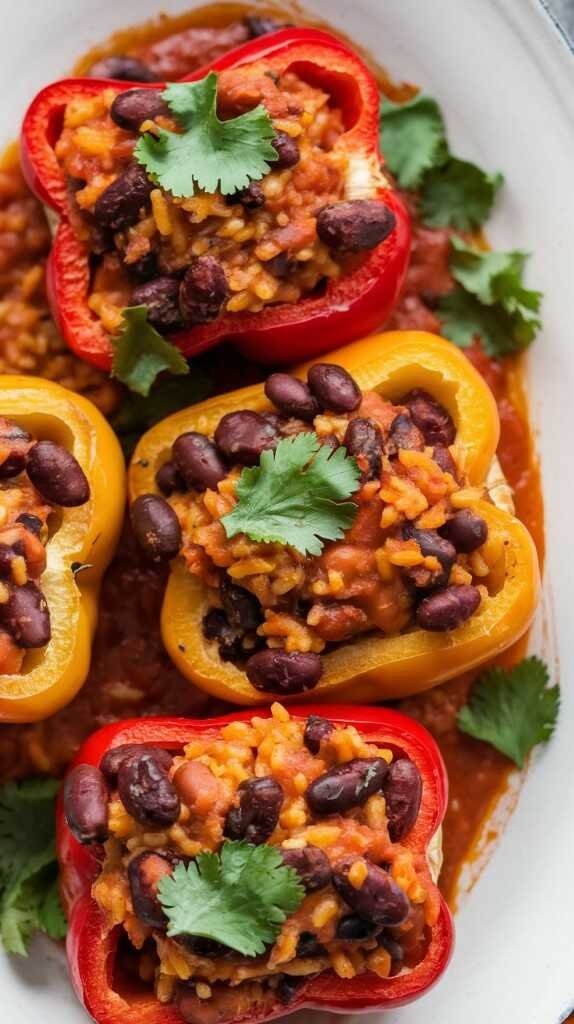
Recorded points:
(140, 353)
(513, 710)
(240, 897)
(296, 495)
(29, 900)
(207, 153)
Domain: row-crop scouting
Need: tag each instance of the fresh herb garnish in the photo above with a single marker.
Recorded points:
(458, 194)
(240, 897)
(513, 710)
(140, 352)
(296, 495)
(137, 413)
(208, 153)
(29, 899)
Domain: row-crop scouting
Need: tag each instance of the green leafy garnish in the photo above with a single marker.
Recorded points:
(458, 194)
(29, 900)
(140, 352)
(512, 710)
(413, 138)
(137, 413)
(240, 897)
(296, 495)
(208, 153)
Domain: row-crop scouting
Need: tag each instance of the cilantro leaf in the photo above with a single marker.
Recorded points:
(512, 710)
(458, 194)
(464, 318)
(137, 413)
(296, 495)
(240, 897)
(208, 152)
(413, 138)
(140, 353)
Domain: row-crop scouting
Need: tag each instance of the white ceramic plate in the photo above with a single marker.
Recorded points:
(505, 78)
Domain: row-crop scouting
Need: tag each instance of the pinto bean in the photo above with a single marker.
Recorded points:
(144, 874)
(316, 730)
(119, 205)
(197, 787)
(355, 225)
(156, 527)
(122, 69)
(86, 804)
(402, 788)
(146, 791)
(353, 928)
(430, 417)
(251, 197)
(257, 812)
(448, 609)
(404, 434)
(25, 615)
(131, 108)
(364, 440)
(346, 786)
(161, 296)
(241, 607)
(278, 671)
(229, 640)
(57, 475)
(333, 387)
(287, 149)
(379, 899)
(243, 436)
(114, 758)
(338, 622)
(198, 461)
(291, 396)
(203, 291)
(466, 530)
(311, 864)
(14, 442)
(169, 479)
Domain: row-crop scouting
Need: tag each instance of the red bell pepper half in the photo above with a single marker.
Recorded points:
(349, 307)
(92, 951)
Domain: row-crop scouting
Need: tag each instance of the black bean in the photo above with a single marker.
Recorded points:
(26, 616)
(280, 265)
(363, 437)
(316, 730)
(353, 928)
(288, 987)
(86, 804)
(355, 225)
(161, 296)
(287, 149)
(404, 434)
(120, 204)
(309, 946)
(134, 106)
(430, 417)
(347, 785)
(403, 790)
(206, 948)
(156, 527)
(433, 545)
(229, 640)
(144, 873)
(198, 460)
(279, 672)
(146, 791)
(466, 530)
(333, 387)
(259, 26)
(243, 436)
(145, 268)
(379, 898)
(291, 396)
(122, 69)
(444, 459)
(31, 523)
(203, 291)
(114, 758)
(448, 609)
(392, 947)
(242, 608)
(57, 475)
(311, 864)
(257, 812)
(169, 479)
(14, 443)
(251, 197)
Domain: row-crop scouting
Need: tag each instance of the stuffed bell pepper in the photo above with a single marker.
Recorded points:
(62, 499)
(331, 533)
(247, 203)
(240, 868)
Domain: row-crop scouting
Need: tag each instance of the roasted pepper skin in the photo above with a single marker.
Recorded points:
(86, 535)
(91, 949)
(381, 668)
(351, 306)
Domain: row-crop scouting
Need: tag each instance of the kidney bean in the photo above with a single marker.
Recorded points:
(243, 436)
(338, 621)
(156, 527)
(257, 812)
(145, 871)
(432, 544)
(114, 758)
(355, 225)
(363, 438)
(353, 928)
(283, 673)
(346, 786)
(119, 205)
(26, 616)
(430, 417)
(403, 790)
(404, 434)
(466, 530)
(448, 609)
(8, 553)
(444, 459)
(203, 291)
(16, 440)
(316, 730)
(291, 396)
(241, 607)
(57, 475)
(131, 108)
(229, 640)
(161, 296)
(144, 269)
(311, 864)
(259, 26)
(122, 69)
(309, 946)
(251, 197)
(32, 523)
(86, 804)
(146, 791)
(198, 460)
(333, 387)
(379, 899)
(287, 149)
(169, 479)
